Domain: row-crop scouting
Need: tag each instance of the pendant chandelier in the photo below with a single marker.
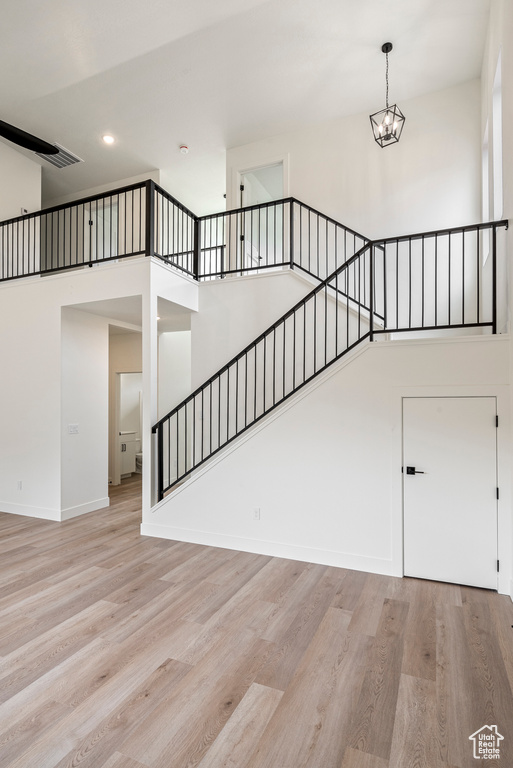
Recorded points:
(387, 124)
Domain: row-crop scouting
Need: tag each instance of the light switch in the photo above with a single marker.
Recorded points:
(73, 429)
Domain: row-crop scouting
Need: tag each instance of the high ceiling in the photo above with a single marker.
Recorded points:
(214, 75)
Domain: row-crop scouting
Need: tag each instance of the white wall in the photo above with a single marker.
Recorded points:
(20, 183)
(30, 389)
(49, 202)
(84, 408)
(500, 38)
(325, 472)
(32, 385)
(429, 180)
(174, 369)
(234, 311)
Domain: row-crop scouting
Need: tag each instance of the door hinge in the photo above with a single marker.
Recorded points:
(497, 493)
(242, 238)
(497, 566)
(496, 421)
(241, 187)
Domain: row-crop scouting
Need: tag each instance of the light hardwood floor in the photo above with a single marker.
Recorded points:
(122, 651)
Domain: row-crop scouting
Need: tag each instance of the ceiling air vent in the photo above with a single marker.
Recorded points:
(62, 159)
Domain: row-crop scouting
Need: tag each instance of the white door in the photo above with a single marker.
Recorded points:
(262, 229)
(450, 489)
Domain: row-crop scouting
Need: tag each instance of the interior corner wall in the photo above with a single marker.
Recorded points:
(84, 413)
(20, 183)
(429, 180)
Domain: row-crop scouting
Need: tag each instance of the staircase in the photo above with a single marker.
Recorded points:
(440, 282)
(434, 282)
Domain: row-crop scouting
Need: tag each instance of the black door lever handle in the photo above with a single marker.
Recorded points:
(413, 471)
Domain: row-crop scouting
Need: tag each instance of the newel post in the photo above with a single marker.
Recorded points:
(149, 238)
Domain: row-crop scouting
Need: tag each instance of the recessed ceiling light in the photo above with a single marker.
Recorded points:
(108, 139)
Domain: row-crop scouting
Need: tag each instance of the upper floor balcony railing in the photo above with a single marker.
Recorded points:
(144, 220)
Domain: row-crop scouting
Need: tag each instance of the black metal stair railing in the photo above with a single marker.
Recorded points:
(435, 282)
(279, 234)
(430, 282)
(143, 219)
(86, 232)
(438, 281)
(332, 319)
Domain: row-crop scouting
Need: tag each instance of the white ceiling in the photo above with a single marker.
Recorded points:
(214, 75)
(127, 310)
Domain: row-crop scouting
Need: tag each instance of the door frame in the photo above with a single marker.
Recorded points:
(504, 472)
(233, 200)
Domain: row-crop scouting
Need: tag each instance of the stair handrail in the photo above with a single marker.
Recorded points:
(365, 272)
(317, 289)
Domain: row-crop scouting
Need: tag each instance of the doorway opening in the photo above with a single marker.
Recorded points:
(261, 185)
(125, 405)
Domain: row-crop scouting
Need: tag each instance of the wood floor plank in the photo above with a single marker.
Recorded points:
(310, 726)
(291, 647)
(243, 730)
(368, 607)
(21, 668)
(349, 591)
(97, 746)
(124, 651)
(419, 654)
(290, 603)
(226, 589)
(415, 740)
(32, 726)
(90, 693)
(453, 686)
(117, 760)
(492, 699)
(353, 758)
(501, 611)
(374, 717)
(200, 705)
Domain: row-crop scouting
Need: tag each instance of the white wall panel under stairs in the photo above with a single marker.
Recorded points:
(324, 471)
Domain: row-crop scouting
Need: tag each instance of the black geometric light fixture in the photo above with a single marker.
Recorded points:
(387, 124)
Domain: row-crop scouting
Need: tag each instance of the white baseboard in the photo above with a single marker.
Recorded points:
(273, 549)
(57, 515)
(82, 509)
(27, 511)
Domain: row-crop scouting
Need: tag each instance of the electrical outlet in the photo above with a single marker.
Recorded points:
(256, 513)
(72, 429)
